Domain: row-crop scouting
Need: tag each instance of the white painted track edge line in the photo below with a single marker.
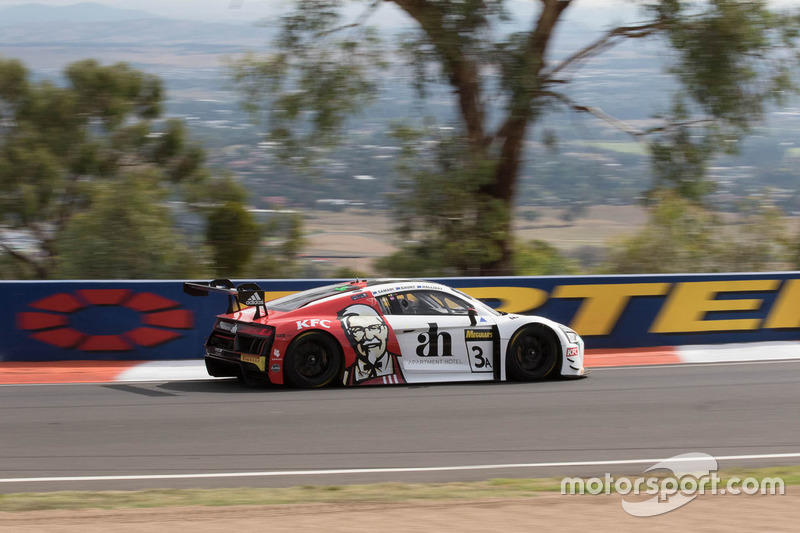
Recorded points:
(692, 365)
(388, 470)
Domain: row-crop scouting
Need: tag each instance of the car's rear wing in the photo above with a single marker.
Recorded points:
(239, 296)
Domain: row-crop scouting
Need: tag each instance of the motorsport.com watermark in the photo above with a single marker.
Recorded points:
(693, 474)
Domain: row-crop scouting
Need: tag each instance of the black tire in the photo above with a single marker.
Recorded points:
(533, 354)
(312, 361)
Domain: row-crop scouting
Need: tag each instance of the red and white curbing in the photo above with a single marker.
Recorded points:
(165, 371)
(700, 353)
(188, 370)
(735, 353)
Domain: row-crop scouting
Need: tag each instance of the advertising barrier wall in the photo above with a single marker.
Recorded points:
(155, 320)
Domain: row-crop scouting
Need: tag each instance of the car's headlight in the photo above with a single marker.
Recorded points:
(572, 336)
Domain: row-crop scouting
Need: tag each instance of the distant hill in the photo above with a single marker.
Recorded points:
(24, 14)
(142, 33)
(92, 24)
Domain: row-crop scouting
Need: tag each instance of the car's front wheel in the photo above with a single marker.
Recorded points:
(313, 360)
(532, 353)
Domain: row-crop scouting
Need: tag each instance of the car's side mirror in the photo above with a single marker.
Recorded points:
(472, 316)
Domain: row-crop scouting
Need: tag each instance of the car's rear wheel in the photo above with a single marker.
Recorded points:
(532, 353)
(313, 360)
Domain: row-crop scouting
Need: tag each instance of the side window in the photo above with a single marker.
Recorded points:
(454, 305)
(386, 304)
(424, 303)
(398, 304)
(409, 303)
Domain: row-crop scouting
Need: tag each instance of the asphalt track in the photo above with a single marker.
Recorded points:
(628, 417)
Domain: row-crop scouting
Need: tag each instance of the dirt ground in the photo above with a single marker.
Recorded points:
(369, 234)
(545, 512)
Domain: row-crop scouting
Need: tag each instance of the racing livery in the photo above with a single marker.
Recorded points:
(380, 332)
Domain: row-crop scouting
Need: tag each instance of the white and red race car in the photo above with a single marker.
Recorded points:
(381, 332)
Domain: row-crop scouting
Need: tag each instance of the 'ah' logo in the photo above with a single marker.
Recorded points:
(429, 346)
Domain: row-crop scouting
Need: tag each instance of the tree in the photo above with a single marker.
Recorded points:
(682, 236)
(234, 235)
(283, 239)
(539, 258)
(731, 59)
(127, 233)
(64, 148)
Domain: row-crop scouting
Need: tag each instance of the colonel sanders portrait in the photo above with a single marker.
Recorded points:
(368, 334)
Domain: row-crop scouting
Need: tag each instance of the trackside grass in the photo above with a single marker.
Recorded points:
(382, 492)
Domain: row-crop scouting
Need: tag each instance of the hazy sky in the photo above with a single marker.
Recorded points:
(222, 10)
(594, 12)
(194, 9)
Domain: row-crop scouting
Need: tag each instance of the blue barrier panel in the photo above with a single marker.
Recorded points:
(152, 320)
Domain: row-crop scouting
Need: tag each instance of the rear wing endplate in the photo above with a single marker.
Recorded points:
(239, 297)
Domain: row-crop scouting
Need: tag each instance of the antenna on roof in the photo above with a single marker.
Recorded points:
(355, 270)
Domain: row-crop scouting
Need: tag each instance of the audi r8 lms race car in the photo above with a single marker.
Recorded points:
(385, 332)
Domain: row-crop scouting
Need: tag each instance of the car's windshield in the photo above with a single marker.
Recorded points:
(478, 304)
(297, 300)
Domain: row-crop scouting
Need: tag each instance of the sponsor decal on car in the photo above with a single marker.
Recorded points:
(275, 368)
(276, 354)
(409, 287)
(369, 336)
(573, 352)
(424, 362)
(257, 360)
(434, 344)
(255, 299)
(359, 296)
(479, 334)
(478, 350)
(312, 323)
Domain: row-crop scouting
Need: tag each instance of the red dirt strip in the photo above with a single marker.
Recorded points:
(662, 355)
(62, 372)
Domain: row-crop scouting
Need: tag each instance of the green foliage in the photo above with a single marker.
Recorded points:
(539, 258)
(233, 235)
(317, 79)
(278, 258)
(113, 94)
(63, 149)
(722, 56)
(443, 209)
(242, 246)
(682, 236)
(126, 233)
(211, 192)
(13, 269)
(732, 59)
(680, 162)
(348, 273)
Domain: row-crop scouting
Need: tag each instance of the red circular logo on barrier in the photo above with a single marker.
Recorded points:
(160, 316)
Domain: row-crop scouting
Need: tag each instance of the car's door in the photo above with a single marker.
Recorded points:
(438, 341)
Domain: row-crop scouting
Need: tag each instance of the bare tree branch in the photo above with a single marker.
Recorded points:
(637, 134)
(611, 38)
(19, 256)
(360, 21)
(462, 70)
(512, 132)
